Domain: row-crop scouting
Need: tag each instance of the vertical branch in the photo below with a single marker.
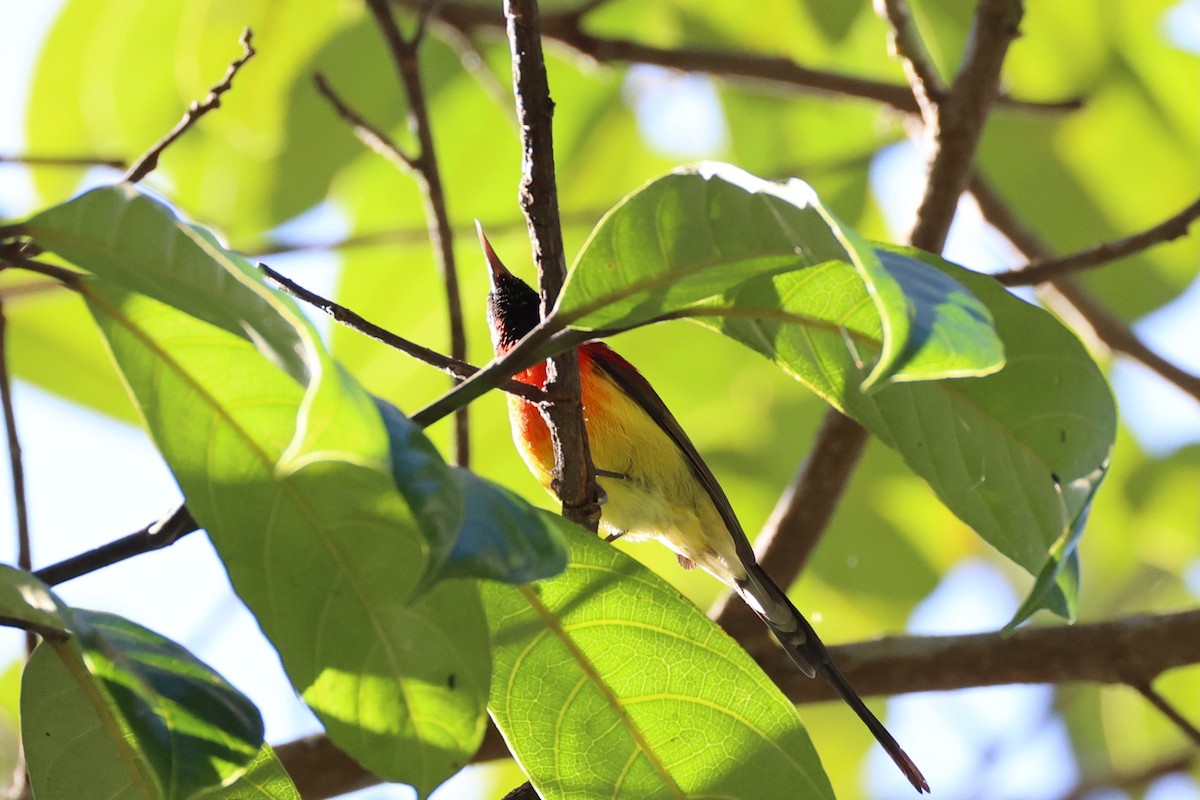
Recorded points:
(425, 168)
(539, 199)
(24, 550)
(954, 121)
(957, 121)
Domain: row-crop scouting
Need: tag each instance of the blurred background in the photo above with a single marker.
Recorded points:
(283, 179)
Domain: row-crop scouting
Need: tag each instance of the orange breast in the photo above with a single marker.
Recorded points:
(530, 431)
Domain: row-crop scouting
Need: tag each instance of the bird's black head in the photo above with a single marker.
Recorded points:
(514, 309)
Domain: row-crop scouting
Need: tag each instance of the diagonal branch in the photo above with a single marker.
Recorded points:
(1155, 699)
(404, 54)
(451, 366)
(1098, 652)
(577, 487)
(956, 119)
(376, 140)
(906, 45)
(1049, 269)
(155, 536)
(1105, 326)
(148, 162)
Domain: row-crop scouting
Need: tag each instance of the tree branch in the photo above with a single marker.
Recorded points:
(63, 161)
(375, 140)
(565, 28)
(148, 162)
(1050, 269)
(1169, 711)
(155, 536)
(1105, 326)
(957, 124)
(15, 465)
(1135, 649)
(906, 45)
(1126, 651)
(539, 200)
(425, 167)
(451, 366)
(956, 119)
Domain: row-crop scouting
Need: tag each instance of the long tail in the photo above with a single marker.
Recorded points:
(801, 642)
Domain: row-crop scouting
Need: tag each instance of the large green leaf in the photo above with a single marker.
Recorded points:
(119, 711)
(325, 552)
(608, 683)
(1017, 455)
(1033, 438)
(699, 231)
(285, 460)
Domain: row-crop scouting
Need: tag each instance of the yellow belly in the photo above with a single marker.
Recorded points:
(658, 495)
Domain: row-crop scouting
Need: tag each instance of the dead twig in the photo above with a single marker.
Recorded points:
(148, 162)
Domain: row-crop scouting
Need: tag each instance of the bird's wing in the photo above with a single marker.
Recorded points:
(626, 376)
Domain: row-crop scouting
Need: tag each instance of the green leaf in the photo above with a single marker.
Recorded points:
(504, 538)
(26, 602)
(123, 235)
(265, 779)
(421, 475)
(119, 711)
(1014, 454)
(608, 683)
(321, 547)
(53, 343)
(1017, 455)
(697, 234)
(285, 460)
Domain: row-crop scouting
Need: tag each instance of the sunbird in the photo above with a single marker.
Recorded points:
(656, 484)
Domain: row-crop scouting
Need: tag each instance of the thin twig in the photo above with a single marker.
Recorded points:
(1054, 268)
(147, 163)
(376, 140)
(68, 278)
(1155, 699)
(565, 28)
(801, 515)
(155, 536)
(405, 59)
(15, 465)
(906, 44)
(451, 366)
(63, 161)
(1097, 652)
(1105, 326)
(577, 487)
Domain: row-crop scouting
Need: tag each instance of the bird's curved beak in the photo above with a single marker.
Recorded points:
(496, 267)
